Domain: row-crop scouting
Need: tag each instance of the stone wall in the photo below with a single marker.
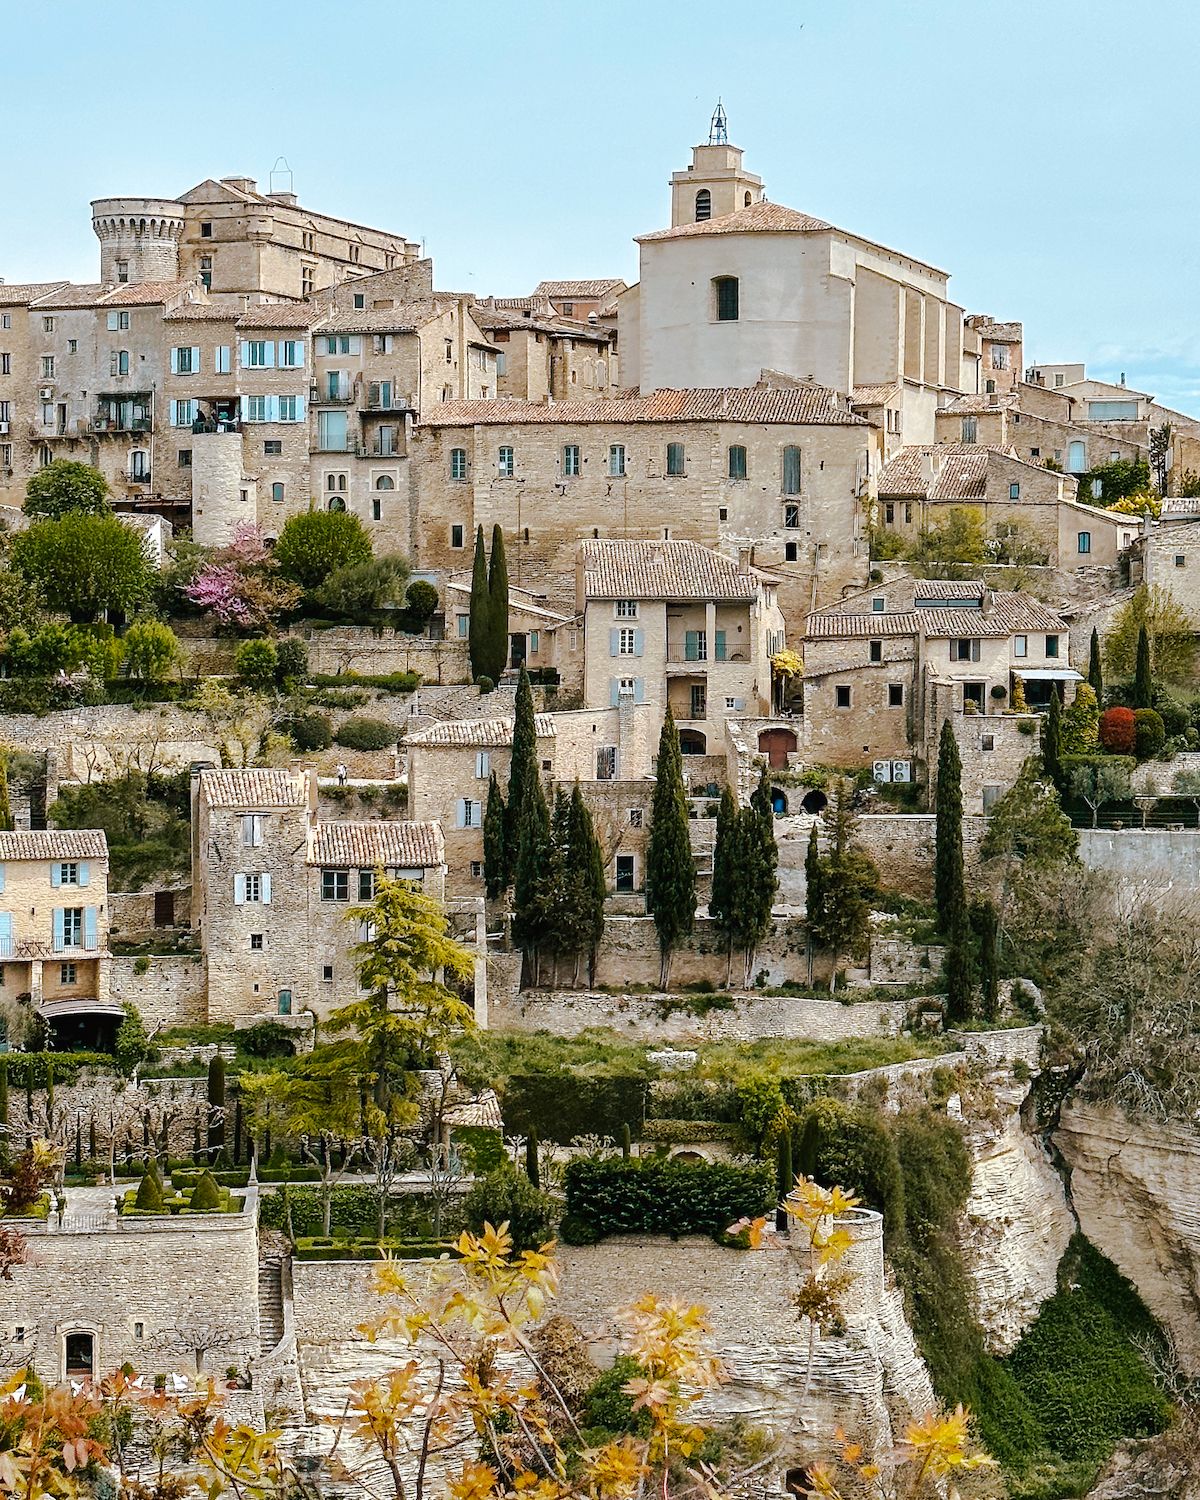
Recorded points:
(131, 913)
(629, 954)
(149, 1291)
(902, 845)
(1162, 858)
(172, 991)
(105, 1101)
(1135, 1186)
(648, 1018)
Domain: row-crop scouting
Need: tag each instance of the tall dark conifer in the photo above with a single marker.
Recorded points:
(986, 922)
(497, 589)
(813, 893)
(1095, 674)
(530, 894)
(523, 767)
(496, 873)
(722, 899)
(587, 855)
(1143, 680)
(479, 622)
(760, 861)
(670, 871)
(949, 891)
(1052, 742)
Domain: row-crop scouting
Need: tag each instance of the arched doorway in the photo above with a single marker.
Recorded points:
(692, 742)
(79, 1356)
(815, 801)
(777, 745)
(779, 802)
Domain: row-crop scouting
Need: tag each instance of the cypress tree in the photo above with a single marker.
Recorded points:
(533, 1168)
(959, 971)
(4, 1153)
(586, 863)
(563, 887)
(496, 874)
(237, 1132)
(1052, 742)
(523, 768)
(92, 1138)
(949, 891)
(1143, 681)
(479, 622)
(6, 818)
(784, 1179)
(529, 889)
(986, 922)
(49, 1088)
(626, 1141)
(1095, 674)
(722, 899)
(497, 633)
(78, 1142)
(813, 894)
(670, 871)
(809, 1152)
(216, 1107)
(760, 860)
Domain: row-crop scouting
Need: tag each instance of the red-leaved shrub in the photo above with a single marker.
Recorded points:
(1118, 730)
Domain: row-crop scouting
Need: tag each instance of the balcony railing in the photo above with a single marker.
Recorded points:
(52, 947)
(142, 477)
(120, 424)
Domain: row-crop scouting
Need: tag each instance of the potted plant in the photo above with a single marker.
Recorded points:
(231, 1377)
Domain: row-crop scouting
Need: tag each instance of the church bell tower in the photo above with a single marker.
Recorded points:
(715, 184)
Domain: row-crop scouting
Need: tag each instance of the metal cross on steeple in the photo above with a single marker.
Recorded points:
(718, 130)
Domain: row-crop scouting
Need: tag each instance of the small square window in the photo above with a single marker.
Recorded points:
(273, 448)
(791, 551)
(878, 606)
(456, 536)
(256, 942)
(360, 301)
(791, 516)
(635, 817)
(987, 742)
(206, 230)
(66, 974)
(895, 695)
(722, 513)
(841, 697)
(327, 973)
(335, 885)
(876, 651)
(139, 1330)
(1035, 453)
(1180, 560)
(185, 458)
(1052, 645)
(476, 869)
(1014, 492)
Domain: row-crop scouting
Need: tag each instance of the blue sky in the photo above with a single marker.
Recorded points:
(1043, 154)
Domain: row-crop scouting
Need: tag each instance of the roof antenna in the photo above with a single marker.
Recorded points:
(284, 173)
(718, 129)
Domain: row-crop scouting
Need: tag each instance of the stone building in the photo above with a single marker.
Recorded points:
(541, 356)
(1038, 424)
(883, 668)
(582, 298)
(1168, 558)
(783, 470)
(674, 623)
(271, 884)
(1000, 353)
(54, 919)
(1021, 504)
(542, 639)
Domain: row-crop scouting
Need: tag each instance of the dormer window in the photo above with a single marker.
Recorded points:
(703, 205)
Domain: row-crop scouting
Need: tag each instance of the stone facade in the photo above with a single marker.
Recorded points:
(172, 991)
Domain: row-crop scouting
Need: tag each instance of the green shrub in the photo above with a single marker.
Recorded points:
(646, 1196)
(363, 733)
(386, 682)
(266, 1039)
(483, 1146)
(314, 544)
(206, 1195)
(309, 1248)
(256, 662)
(311, 731)
(508, 1197)
(149, 1194)
(291, 663)
(1149, 733)
(355, 1210)
(686, 1132)
(608, 1407)
(560, 1107)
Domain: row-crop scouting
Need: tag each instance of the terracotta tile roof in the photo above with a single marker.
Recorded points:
(516, 303)
(584, 290)
(253, 788)
(759, 218)
(486, 317)
(280, 315)
(839, 627)
(464, 733)
(804, 405)
(54, 843)
(406, 317)
(662, 570)
(102, 294)
(963, 464)
(948, 588)
(1008, 614)
(977, 405)
(203, 312)
(366, 845)
(874, 395)
(18, 293)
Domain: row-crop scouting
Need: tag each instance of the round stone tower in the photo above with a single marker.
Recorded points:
(139, 238)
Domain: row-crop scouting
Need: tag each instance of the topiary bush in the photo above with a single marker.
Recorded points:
(1118, 730)
(311, 731)
(508, 1197)
(1149, 733)
(648, 1196)
(150, 1194)
(363, 733)
(206, 1195)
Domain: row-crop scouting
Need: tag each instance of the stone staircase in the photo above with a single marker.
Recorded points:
(270, 1302)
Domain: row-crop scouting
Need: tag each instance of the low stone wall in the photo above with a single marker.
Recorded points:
(649, 1018)
(172, 990)
(350, 648)
(629, 954)
(103, 1101)
(1161, 858)
(1002, 1048)
(896, 960)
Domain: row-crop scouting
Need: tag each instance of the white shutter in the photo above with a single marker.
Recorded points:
(174, 361)
(460, 813)
(477, 814)
(196, 360)
(239, 890)
(244, 353)
(266, 890)
(614, 642)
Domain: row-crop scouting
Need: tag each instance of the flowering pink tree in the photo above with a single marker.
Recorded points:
(240, 585)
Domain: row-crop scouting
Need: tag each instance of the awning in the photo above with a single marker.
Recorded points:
(1047, 674)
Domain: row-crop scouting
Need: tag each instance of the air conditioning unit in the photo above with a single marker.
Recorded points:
(882, 770)
(47, 393)
(902, 770)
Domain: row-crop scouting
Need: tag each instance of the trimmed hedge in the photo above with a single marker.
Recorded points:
(355, 1209)
(681, 1132)
(483, 1144)
(559, 1107)
(28, 1069)
(614, 1196)
(363, 733)
(386, 682)
(310, 1248)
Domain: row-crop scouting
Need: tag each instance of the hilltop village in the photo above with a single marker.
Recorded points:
(703, 773)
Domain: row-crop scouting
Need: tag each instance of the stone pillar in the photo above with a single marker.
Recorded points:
(35, 982)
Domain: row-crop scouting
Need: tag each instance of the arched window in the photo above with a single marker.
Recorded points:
(703, 205)
(277, 492)
(1076, 457)
(337, 503)
(725, 289)
(748, 200)
(385, 482)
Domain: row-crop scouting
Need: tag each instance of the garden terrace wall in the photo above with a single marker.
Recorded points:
(181, 1278)
(172, 991)
(131, 913)
(92, 1097)
(629, 954)
(1002, 1048)
(647, 1017)
(354, 648)
(902, 845)
(1161, 858)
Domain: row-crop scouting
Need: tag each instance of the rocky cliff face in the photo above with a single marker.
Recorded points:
(1135, 1186)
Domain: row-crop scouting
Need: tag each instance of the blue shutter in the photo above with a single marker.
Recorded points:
(6, 943)
(265, 886)
(56, 875)
(691, 645)
(174, 361)
(460, 813)
(239, 890)
(269, 354)
(614, 691)
(272, 405)
(614, 642)
(639, 690)
(89, 926)
(244, 353)
(60, 940)
(195, 360)
(720, 656)
(638, 639)
(300, 408)
(83, 872)
(1, 877)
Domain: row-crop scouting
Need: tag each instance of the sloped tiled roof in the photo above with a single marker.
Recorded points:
(964, 465)
(978, 404)
(366, 845)
(102, 294)
(662, 570)
(203, 312)
(54, 843)
(802, 405)
(567, 328)
(253, 788)
(406, 317)
(18, 293)
(839, 627)
(280, 315)
(759, 218)
(874, 395)
(1008, 613)
(465, 733)
(584, 290)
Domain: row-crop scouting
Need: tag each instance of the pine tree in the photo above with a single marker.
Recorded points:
(497, 588)
(523, 768)
(587, 860)
(479, 623)
(1143, 681)
(6, 817)
(496, 873)
(1052, 742)
(670, 871)
(986, 923)
(529, 888)
(949, 891)
(1095, 674)
(722, 900)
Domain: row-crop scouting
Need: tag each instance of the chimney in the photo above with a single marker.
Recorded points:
(745, 559)
(985, 602)
(927, 471)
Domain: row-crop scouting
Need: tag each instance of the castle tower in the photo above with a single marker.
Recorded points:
(139, 238)
(715, 184)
